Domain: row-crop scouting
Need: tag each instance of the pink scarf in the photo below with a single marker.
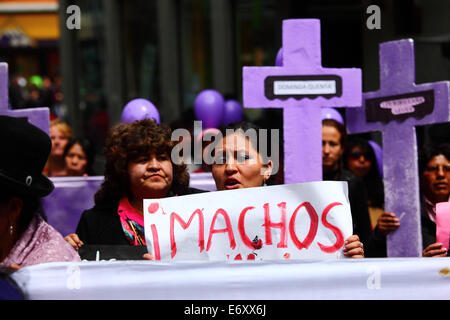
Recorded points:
(132, 223)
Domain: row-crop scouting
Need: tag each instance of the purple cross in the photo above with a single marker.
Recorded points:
(301, 87)
(395, 110)
(40, 117)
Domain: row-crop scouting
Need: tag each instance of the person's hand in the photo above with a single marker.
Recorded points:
(387, 222)
(353, 248)
(148, 256)
(435, 250)
(74, 241)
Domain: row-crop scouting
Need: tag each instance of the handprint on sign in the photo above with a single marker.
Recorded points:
(257, 244)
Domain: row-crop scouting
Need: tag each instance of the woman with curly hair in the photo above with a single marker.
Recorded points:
(138, 166)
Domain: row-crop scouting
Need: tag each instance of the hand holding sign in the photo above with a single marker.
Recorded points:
(265, 223)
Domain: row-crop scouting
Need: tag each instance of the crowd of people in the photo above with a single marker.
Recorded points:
(139, 166)
(37, 91)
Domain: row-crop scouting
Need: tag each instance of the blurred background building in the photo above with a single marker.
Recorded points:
(167, 51)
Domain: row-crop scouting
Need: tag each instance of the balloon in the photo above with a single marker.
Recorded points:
(330, 113)
(37, 81)
(232, 112)
(378, 155)
(139, 109)
(209, 108)
(279, 58)
(21, 81)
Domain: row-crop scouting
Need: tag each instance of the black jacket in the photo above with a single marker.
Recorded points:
(428, 227)
(101, 225)
(357, 197)
(378, 243)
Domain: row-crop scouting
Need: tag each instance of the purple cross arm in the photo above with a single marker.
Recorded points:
(395, 110)
(301, 86)
(40, 117)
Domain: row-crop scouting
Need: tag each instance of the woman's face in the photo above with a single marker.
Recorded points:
(358, 162)
(241, 164)
(151, 176)
(436, 179)
(76, 161)
(331, 148)
(59, 141)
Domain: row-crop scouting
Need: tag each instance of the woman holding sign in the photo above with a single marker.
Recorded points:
(239, 164)
(138, 166)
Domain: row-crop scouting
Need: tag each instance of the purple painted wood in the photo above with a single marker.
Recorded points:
(301, 86)
(40, 117)
(395, 109)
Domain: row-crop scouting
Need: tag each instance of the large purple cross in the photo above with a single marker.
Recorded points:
(40, 117)
(301, 87)
(395, 110)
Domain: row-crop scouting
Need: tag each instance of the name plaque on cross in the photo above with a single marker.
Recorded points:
(400, 107)
(301, 87)
(395, 110)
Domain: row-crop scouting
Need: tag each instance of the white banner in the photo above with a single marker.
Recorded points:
(304, 220)
(353, 279)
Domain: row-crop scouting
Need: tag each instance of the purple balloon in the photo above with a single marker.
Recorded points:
(232, 112)
(331, 113)
(279, 58)
(209, 108)
(378, 156)
(139, 109)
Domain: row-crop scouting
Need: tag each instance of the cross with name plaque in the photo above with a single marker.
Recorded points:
(395, 109)
(301, 86)
(39, 117)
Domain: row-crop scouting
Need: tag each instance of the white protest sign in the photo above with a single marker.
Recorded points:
(304, 220)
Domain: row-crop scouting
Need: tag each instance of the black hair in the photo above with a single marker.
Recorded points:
(245, 126)
(428, 152)
(87, 148)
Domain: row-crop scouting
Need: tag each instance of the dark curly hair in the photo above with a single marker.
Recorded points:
(127, 142)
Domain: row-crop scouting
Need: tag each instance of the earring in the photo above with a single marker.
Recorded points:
(11, 230)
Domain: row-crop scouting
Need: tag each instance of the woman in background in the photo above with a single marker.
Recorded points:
(60, 134)
(78, 156)
(360, 159)
(334, 141)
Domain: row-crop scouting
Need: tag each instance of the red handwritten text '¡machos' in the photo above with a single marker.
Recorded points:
(285, 228)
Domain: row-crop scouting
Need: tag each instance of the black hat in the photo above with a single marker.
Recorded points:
(24, 151)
